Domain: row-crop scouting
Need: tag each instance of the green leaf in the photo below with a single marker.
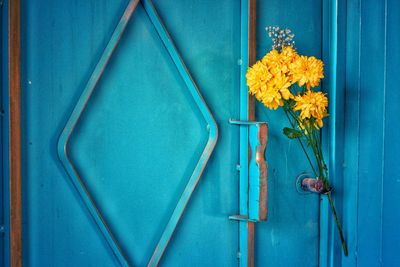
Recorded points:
(292, 133)
(291, 102)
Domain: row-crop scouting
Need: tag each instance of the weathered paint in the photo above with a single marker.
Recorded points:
(257, 166)
(258, 172)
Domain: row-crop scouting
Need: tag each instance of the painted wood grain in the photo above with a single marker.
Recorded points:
(14, 46)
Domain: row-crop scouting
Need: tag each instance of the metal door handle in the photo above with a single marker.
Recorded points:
(258, 172)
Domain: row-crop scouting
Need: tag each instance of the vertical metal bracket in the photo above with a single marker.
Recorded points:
(258, 170)
(247, 113)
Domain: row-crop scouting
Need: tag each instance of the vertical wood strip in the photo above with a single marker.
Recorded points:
(250, 244)
(252, 50)
(15, 133)
(251, 112)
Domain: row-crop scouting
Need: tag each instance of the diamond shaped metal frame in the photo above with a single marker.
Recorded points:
(62, 146)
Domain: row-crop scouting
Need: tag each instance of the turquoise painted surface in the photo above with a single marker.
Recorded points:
(371, 172)
(139, 139)
(56, 65)
(351, 142)
(366, 140)
(5, 211)
(391, 168)
(334, 49)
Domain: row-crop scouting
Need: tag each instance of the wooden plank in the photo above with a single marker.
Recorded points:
(252, 50)
(250, 244)
(15, 133)
(251, 112)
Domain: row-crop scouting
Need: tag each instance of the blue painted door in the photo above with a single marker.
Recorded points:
(369, 108)
(141, 135)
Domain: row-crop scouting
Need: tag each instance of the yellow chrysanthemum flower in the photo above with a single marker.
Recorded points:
(287, 57)
(272, 60)
(289, 52)
(307, 71)
(280, 62)
(272, 99)
(269, 80)
(257, 77)
(312, 105)
(281, 83)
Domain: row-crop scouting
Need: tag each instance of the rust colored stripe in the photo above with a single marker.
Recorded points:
(252, 50)
(251, 111)
(250, 244)
(15, 133)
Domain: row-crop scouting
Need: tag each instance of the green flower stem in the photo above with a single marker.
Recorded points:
(288, 110)
(314, 141)
(339, 226)
(301, 144)
(319, 149)
(314, 147)
(327, 187)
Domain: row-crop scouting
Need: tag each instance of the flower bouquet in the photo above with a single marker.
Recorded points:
(284, 78)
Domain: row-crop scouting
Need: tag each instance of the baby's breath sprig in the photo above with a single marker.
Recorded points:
(280, 37)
